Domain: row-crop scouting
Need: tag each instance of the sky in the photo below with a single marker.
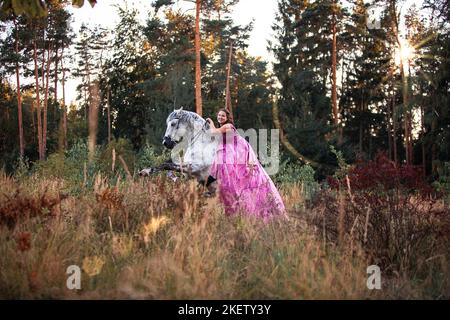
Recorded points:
(262, 12)
(105, 14)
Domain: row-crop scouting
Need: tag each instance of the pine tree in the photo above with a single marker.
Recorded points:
(431, 68)
(89, 49)
(304, 68)
(125, 75)
(366, 75)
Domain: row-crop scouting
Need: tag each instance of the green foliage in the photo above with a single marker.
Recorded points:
(33, 8)
(78, 152)
(122, 148)
(90, 47)
(149, 156)
(343, 166)
(295, 173)
(73, 166)
(30, 8)
(149, 70)
(135, 96)
(56, 166)
(22, 167)
(442, 184)
(303, 61)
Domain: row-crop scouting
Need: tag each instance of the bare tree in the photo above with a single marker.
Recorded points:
(227, 89)
(19, 95)
(37, 101)
(333, 68)
(198, 72)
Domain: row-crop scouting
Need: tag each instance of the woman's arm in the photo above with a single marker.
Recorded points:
(225, 128)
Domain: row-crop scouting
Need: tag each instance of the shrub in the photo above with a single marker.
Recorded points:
(73, 166)
(442, 184)
(22, 206)
(56, 166)
(21, 167)
(383, 175)
(301, 174)
(148, 156)
(387, 209)
(123, 150)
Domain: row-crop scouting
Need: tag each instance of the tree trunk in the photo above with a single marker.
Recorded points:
(340, 105)
(19, 96)
(410, 116)
(422, 125)
(236, 93)
(198, 79)
(108, 109)
(389, 127)
(405, 114)
(47, 76)
(56, 73)
(361, 130)
(434, 150)
(64, 99)
(38, 106)
(89, 88)
(227, 89)
(33, 124)
(394, 129)
(94, 102)
(333, 72)
(405, 85)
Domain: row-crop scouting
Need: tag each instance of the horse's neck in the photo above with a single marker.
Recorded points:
(198, 136)
(197, 125)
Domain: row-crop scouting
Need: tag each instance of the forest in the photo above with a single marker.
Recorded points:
(361, 101)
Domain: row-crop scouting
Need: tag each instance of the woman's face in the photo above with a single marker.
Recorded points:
(221, 117)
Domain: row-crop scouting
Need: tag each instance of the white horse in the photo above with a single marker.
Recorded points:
(188, 132)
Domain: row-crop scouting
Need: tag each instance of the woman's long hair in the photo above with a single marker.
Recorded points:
(229, 117)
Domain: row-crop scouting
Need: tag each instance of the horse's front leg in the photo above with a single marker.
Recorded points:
(189, 168)
(165, 166)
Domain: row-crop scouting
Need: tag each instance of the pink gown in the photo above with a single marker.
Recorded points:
(243, 184)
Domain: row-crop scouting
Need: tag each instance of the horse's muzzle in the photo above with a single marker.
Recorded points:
(168, 143)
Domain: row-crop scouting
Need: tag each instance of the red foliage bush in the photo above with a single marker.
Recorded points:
(385, 208)
(382, 174)
(21, 207)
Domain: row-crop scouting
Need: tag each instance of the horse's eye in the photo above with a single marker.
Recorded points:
(173, 124)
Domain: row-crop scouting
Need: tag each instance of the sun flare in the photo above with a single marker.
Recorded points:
(405, 53)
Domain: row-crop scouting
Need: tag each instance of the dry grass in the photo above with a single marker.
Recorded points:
(155, 239)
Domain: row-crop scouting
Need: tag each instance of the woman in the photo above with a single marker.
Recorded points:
(243, 184)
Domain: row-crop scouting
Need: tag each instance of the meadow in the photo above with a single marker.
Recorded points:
(155, 238)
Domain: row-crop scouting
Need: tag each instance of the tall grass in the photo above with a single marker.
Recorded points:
(158, 239)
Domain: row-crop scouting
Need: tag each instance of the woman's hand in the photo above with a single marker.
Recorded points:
(212, 127)
(210, 122)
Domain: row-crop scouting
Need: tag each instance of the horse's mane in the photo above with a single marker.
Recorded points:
(185, 116)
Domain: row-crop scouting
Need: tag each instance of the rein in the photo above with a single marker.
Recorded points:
(195, 137)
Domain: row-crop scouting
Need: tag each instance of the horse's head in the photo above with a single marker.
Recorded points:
(179, 124)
